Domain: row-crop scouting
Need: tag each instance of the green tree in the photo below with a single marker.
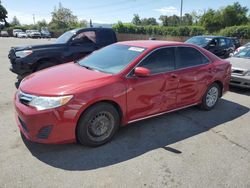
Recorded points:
(62, 19)
(170, 20)
(211, 20)
(41, 24)
(15, 21)
(234, 15)
(187, 19)
(3, 14)
(149, 21)
(136, 19)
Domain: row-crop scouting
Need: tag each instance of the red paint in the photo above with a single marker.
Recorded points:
(138, 96)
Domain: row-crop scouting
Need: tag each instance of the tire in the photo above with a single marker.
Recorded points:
(97, 125)
(44, 65)
(211, 97)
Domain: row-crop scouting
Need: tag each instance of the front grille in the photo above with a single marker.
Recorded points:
(24, 126)
(44, 132)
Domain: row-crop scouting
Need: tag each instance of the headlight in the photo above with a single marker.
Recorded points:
(23, 53)
(248, 73)
(44, 103)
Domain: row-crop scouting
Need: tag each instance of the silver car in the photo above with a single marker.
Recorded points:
(240, 75)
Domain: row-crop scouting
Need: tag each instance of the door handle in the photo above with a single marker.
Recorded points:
(173, 76)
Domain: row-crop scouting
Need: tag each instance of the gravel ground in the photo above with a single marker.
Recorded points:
(188, 148)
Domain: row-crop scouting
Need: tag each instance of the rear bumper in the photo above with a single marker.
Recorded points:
(240, 81)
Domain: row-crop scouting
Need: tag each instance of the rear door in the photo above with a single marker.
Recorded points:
(155, 93)
(193, 72)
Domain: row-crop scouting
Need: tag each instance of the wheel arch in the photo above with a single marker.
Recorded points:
(220, 84)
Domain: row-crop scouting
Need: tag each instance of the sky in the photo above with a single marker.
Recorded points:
(108, 11)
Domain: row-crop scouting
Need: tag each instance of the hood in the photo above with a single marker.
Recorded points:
(241, 63)
(34, 47)
(61, 80)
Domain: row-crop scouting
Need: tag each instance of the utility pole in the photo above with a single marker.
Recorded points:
(34, 19)
(181, 12)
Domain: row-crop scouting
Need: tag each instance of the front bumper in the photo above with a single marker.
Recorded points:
(19, 65)
(48, 126)
(240, 81)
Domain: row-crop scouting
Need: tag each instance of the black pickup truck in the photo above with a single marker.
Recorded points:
(70, 46)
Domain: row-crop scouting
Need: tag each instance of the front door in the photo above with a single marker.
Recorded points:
(157, 92)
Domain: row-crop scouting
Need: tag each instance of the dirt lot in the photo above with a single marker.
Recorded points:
(188, 148)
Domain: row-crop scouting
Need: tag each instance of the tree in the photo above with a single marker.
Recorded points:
(15, 21)
(149, 21)
(136, 20)
(62, 19)
(170, 20)
(234, 15)
(90, 23)
(41, 23)
(3, 14)
(211, 20)
(187, 19)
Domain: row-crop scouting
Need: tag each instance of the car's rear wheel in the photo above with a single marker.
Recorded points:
(98, 124)
(211, 97)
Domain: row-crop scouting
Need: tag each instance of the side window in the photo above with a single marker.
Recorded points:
(86, 37)
(222, 42)
(189, 57)
(160, 61)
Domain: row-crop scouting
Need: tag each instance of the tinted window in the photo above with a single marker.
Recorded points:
(222, 42)
(86, 37)
(159, 61)
(188, 57)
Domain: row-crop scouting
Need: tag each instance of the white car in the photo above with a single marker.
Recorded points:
(242, 47)
(21, 35)
(16, 31)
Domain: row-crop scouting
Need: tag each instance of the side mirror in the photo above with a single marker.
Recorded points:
(142, 72)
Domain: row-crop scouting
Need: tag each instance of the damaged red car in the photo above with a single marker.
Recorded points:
(88, 100)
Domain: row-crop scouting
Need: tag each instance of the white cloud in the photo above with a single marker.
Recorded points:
(26, 18)
(168, 10)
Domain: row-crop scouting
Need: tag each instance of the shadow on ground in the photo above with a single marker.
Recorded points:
(242, 91)
(138, 138)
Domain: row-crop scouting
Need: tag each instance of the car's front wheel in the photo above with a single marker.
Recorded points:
(98, 124)
(211, 97)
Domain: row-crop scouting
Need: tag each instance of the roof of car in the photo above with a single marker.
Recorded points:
(212, 36)
(150, 43)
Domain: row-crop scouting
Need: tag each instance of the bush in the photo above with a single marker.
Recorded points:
(236, 31)
(159, 30)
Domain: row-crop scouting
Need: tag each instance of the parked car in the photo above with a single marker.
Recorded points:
(34, 34)
(28, 33)
(4, 34)
(240, 75)
(71, 46)
(218, 45)
(45, 33)
(242, 47)
(119, 84)
(16, 31)
(21, 35)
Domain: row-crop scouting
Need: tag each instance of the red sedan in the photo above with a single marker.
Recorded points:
(122, 83)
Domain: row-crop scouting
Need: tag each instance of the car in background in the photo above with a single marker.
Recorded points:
(16, 31)
(70, 46)
(34, 34)
(4, 34)
(21, 35)
(242, 47)
(218, 45)
(45, 33)
(28, 33)
(240, 75)
(119, 84)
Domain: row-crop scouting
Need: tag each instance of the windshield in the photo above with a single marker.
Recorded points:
(200, 41)
(65, 37)
(244, 53)
(111, 59)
